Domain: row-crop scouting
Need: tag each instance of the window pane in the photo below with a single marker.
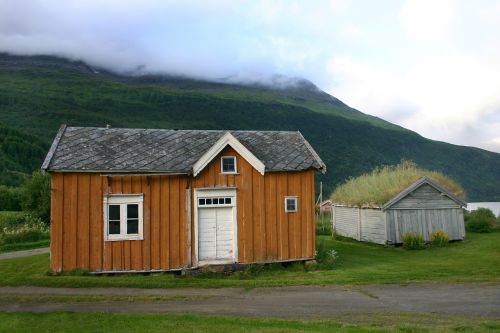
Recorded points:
(228, 201)
(132, 226)
(221, 201)
(114, 227)
(114, 212)
(290, 204)
(201, 202)
(209, 201)
(228, 164)
(133, 211)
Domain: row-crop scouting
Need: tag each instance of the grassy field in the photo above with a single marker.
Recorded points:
(104, 322)
(473, 260)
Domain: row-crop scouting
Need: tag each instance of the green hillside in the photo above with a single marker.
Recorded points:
(37, 94)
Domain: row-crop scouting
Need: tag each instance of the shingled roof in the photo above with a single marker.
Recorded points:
(132, 150)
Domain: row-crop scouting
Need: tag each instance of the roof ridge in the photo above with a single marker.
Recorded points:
(181, 130)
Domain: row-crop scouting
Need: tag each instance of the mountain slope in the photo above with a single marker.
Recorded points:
(37, 94)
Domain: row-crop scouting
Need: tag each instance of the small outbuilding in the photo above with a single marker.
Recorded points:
(326, 206)
(146, 200)
(424, 207)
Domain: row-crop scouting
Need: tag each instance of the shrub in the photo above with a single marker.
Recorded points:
(37, 195)
(481, 220)
(413, 241)
(9, 219)
(439, 238)
(325, 256)
(10, 198)
(33, 229)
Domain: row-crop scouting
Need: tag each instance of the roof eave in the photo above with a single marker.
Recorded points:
(53, 147)
(322, 165)
(123, 172)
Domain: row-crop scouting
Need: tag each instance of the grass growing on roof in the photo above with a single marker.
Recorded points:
(375, 188)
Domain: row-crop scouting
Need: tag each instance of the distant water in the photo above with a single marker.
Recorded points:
(494, 206)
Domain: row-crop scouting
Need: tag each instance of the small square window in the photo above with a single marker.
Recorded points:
(290, 204)
(227, 201)
(201, 202)
(228, 164)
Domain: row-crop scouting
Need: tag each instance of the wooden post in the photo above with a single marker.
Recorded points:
(333, 220)
(359, 224)
(188, 222)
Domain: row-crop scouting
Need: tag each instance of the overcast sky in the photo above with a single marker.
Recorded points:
(432, 66)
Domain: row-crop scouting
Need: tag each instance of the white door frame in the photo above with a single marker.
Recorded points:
(210, 193)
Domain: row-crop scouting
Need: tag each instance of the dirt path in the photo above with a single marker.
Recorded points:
(289, 302)
(24, 253)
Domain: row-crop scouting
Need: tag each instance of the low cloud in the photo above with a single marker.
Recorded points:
(432, 66)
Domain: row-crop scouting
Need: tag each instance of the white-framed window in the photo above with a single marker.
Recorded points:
(215, 201)
(291, 204)
(228, 164)
(123, 217)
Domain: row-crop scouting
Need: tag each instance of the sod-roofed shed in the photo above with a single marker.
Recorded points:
(424, 207)
(145, 200)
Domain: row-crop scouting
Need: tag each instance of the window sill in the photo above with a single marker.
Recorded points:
(229, 173)
(136, 238)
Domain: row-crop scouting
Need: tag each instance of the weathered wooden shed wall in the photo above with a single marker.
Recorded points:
(265, 231)
(363, 224)
(425, 210)
(77, 226)
(425, 221)
(373, 226)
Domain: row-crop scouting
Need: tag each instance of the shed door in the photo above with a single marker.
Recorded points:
(215, 233)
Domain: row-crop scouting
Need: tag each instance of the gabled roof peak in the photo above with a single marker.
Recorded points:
(421, 181)
(228, 140)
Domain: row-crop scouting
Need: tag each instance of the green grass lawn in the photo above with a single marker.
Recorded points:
(105, 322)
(475, 259)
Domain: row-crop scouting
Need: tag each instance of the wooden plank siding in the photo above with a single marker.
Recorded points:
(425, 221)
(265, 232)
(77, 226)
(426, 197)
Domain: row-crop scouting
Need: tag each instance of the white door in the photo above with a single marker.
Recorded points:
(215, 234)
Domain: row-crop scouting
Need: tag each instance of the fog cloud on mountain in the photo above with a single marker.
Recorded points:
(432, 66)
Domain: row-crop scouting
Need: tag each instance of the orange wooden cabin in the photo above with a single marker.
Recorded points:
(146, 200)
